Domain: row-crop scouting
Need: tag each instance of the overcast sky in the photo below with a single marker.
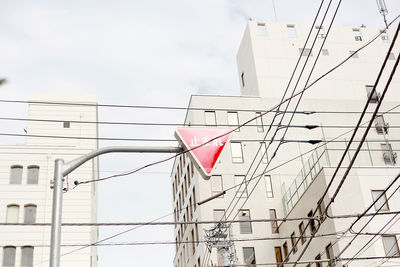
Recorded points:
(138, 53)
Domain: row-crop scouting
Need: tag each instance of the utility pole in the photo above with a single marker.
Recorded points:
(62, 169)
(216, 237)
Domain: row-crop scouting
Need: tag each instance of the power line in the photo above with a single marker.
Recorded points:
(353, 135)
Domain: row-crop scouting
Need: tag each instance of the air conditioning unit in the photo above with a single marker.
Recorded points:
(389, 157)
(321, 35)
(358, 38)
(382, 128)
(375, 97)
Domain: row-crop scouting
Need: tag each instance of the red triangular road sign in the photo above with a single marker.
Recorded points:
(203, 151)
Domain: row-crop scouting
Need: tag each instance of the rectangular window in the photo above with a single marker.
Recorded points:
(210, 119)
(390, 245)
(306, 52)
(263, 151)
(385, 36)
(12, 214)
(259, 122)
(278, 256)
(321, 211)
(375, 96)
(293, 241)
(26, 256)
(233, 120)
(274, 224)
(357, 35)
(353, 54)
(380, 125)
(249, 256)
(241, 187)
(317, 258)
(66, 124)
(302, 233)
(329, 254)
(30, 214)
(291, 30)
(194, 199)
(245, 225)
(381, 204)
(8, 256)
(285, 251)
(262, 30)
(237, 153)
(268, 186)
(33, 174)
(16, 174)
(311, 222)
(388, 155)
(216, 185)
(219, 215)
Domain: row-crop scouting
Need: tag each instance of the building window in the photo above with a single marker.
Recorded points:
(210, 118)
(385, 36)
(12, 214)
(375, 95)
(306, 52)
(16, 174)
(390, 245)
(274, 224)
(233, 120)
(317, 258)
(30, 214)
(321, 211)
(194, 199)
(216, 185)
(259, 122)
(353, 54)
(219, 215)
(329, 255)
(388, 155)
(242, 79)
(302, 233)
(262, 30)
(241, 186)
(193, 242)
(291, 30)
(263, 151)
(8, 256)
(321, 33)
(33, 174)
(285, 251)
(66, 124)
(268, 186)
(380, 125)
(392, 56)
(26, 256)
(357, 35)
(237, 153)
(381, 203)
(325, 52)
(245, 224)
(249, 256)
(278, 256)
(293, 241)
(311, 223)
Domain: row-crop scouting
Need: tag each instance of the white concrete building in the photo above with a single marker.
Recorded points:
(291, 185)
(26, 176)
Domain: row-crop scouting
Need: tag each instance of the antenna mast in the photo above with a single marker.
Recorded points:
(382, 9)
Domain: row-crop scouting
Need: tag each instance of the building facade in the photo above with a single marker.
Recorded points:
(27, 173)
(289, 162)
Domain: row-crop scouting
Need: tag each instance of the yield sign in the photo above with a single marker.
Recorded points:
(205, 145)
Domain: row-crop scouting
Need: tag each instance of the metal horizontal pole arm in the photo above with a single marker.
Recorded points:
(73, 164)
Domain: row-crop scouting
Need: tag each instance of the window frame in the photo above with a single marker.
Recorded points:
(7, 213)
(252, 256)
(207, 118)
(28, 220)
(274, 224)
(377, 202)
(30, 264)
(33, 167)
(230, 115)
(397, 253)
(236, 158)
(19, 167)
(4, 256)
(268, 183)
(213, 185)
(259, 122)
(245, 221)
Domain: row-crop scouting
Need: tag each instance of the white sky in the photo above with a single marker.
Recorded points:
(138, 52)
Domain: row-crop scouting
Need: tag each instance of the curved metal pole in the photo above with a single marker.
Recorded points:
(62, 169)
